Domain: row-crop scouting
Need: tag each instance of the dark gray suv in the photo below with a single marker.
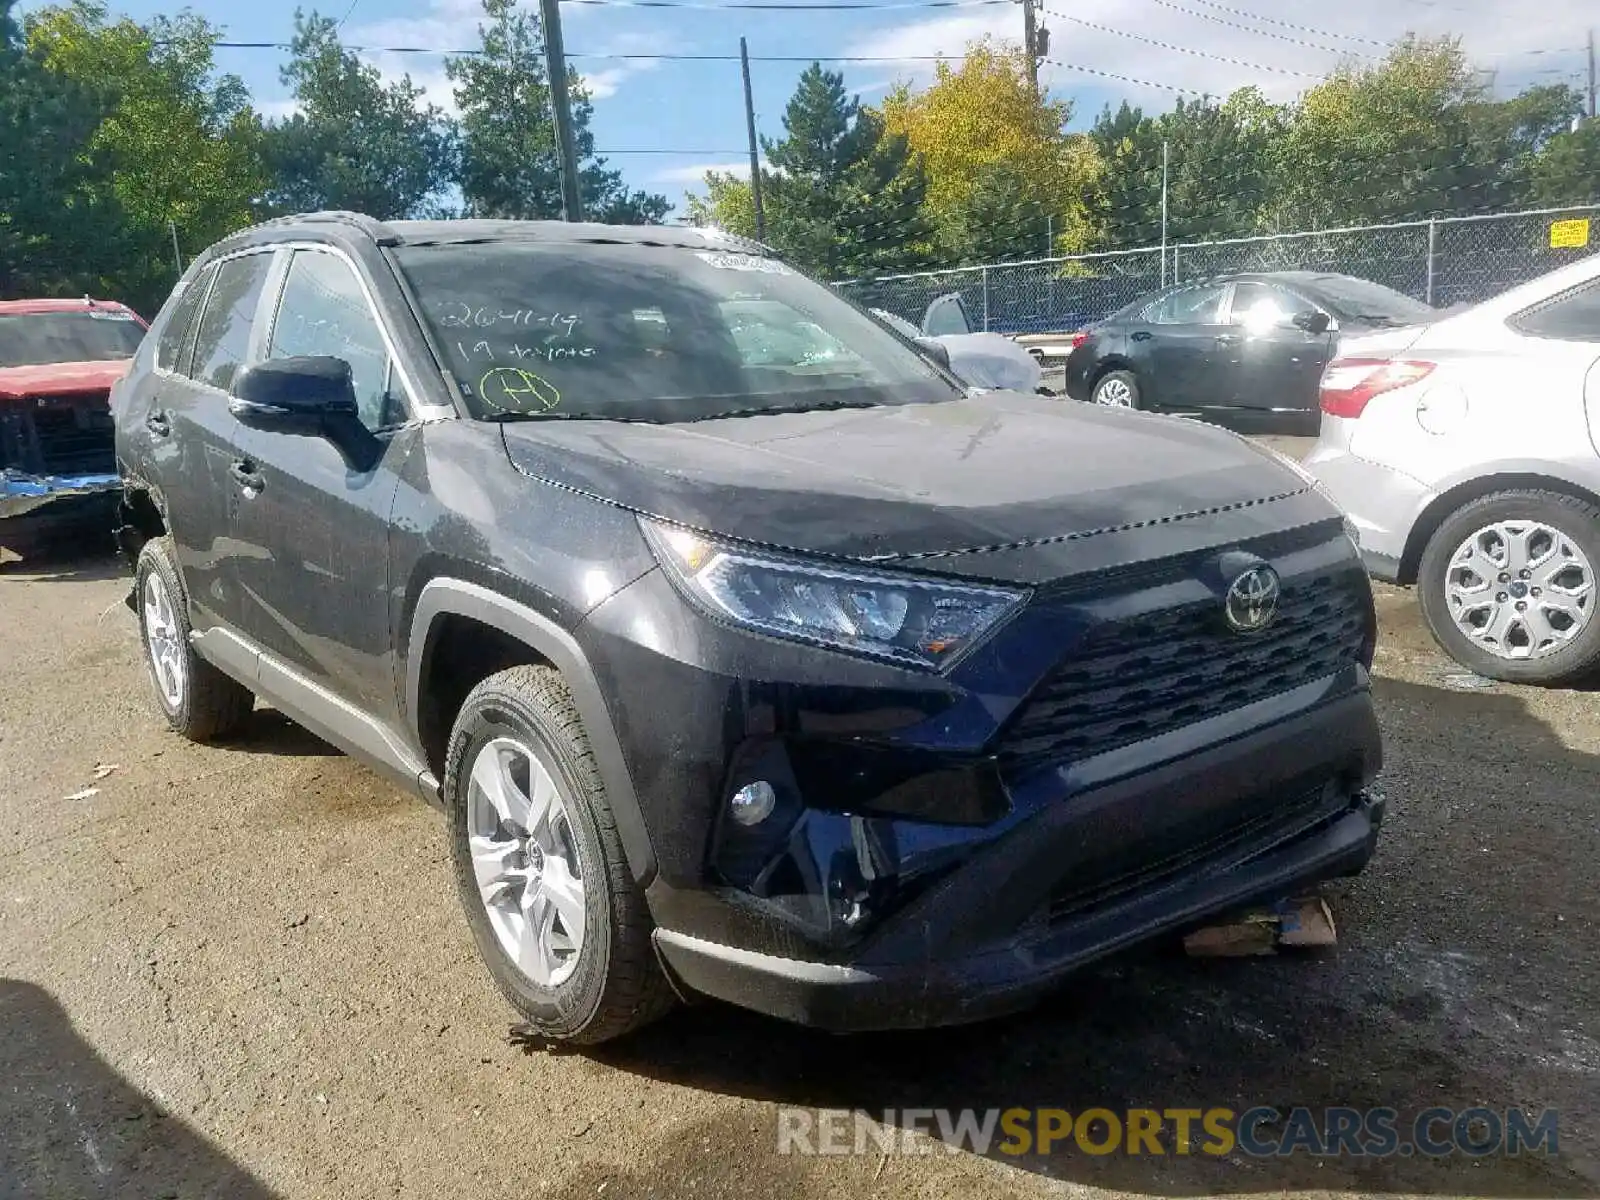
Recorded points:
(749, 654)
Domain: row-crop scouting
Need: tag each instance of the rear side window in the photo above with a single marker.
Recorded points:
(1574, 317)
(175, 333)
(223, 339)
(1191, 306)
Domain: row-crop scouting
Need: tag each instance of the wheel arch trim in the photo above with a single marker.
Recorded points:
(444, 597)
(1501, 477)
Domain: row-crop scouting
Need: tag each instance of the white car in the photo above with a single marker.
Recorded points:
(1467, 453)
(981, 360)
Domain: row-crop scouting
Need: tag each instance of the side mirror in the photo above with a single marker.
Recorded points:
(294, 394)
(1311, 321)
(936, 350)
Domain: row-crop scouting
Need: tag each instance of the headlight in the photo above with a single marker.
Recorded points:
(915, 622)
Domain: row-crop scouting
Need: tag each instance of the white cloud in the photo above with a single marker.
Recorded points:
(695, 173)
(453, 25)
(1523, 44)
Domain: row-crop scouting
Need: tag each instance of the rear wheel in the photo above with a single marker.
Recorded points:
(199, 701)
(1117, 389)
(1508, 586)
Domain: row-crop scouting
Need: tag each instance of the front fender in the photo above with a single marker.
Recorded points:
(444, 597)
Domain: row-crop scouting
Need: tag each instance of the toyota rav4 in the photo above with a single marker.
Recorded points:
(780, 668)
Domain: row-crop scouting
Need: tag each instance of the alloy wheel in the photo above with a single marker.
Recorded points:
(164, 641)
(1520, 589)
(1114, 393)
(525, 859)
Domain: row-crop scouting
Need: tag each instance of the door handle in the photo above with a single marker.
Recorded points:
(158, 424)
(246, 476)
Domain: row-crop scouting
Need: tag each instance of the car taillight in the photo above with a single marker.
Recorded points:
(1080, 338)
(1349, 383)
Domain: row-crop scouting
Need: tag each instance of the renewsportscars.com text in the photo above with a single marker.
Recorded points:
(1259, 1132)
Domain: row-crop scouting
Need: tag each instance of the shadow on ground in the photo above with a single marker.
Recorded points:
(71, 1127)
(1455, 985)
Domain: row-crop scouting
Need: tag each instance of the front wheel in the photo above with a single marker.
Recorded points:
(1508, 586)
(556, 913)
(1117, 389)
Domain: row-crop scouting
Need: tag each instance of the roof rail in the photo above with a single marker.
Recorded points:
(371, 226)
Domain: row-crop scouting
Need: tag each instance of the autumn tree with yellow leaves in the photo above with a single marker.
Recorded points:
(1005, 178)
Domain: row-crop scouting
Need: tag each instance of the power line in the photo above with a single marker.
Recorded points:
(1165, 87)
(1266, 33)
(1238, 62)
(1239, 12)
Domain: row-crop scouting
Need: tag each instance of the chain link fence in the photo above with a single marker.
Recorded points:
(1452, 260)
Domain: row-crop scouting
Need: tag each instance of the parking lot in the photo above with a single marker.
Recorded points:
(241, 971)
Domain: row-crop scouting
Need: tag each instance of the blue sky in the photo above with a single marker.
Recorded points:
(690, 114)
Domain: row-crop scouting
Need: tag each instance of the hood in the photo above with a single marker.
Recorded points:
(982, 473)
(60, 379)
(990, 360)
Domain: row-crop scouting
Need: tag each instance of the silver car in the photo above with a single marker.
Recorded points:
(1467, 454)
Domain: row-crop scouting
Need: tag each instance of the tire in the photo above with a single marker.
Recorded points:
(1557, 642)
(1118, 384)
(199, 701)
(585, 990)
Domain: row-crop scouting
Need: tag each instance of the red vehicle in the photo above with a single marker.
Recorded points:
(58, 362)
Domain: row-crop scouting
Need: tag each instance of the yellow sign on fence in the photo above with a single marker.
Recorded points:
(1569, 234)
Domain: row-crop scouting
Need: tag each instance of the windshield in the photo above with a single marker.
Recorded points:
(36, 339)
(651, 333)
(1361, 300)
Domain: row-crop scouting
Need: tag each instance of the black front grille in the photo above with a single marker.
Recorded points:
(75, 438)
(1135, 679)
(1250, 836)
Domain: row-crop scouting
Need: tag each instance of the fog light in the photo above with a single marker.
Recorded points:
(753, 803)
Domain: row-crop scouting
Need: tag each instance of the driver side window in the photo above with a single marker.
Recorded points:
(324, 312)
(1259, 307)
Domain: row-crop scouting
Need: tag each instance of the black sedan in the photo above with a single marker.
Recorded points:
(1242, 345)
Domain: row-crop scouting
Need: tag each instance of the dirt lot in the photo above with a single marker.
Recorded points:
(240, 971)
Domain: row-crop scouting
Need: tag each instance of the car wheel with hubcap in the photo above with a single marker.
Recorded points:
(1508, 586)
(1117, 389)
(199, 701)
(556, 913)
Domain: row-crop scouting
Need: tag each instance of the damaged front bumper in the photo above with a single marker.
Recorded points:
(22, 493)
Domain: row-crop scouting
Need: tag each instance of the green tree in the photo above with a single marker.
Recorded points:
(56, 225)
(1220, 168)
(843, 197)
(728, 204)
(1567, 168)
(356, 143)
(508, 145)
(1381, 142)
(175, 147)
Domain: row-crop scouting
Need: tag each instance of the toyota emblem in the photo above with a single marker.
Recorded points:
(1252, 600)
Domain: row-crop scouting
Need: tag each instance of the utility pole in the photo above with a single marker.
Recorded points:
(555, 55)
(1591, 74)
(1030, 42)
(755, 149)
(177, 258)
(1164, 213)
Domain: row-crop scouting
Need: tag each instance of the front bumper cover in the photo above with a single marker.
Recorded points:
(1036, 904)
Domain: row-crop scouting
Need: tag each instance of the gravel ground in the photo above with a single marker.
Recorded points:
(240, 971)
